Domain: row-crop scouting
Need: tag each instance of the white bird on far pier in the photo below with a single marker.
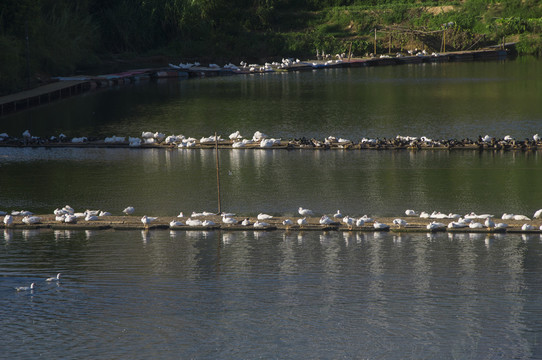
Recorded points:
(262, 216)
(147, 220)
(229, 220)
(490, 224)
(70, 219)
(326, 220)
(287, 223)
(91, 218)
(246, 222)
(302, 222)
(193, 222)
(360, 222)
(175, 223)
(55, 278)
(410, 212)
(399, 223)
(129, 210)
(349, 221)
(338, 215)
(527, 227)
(305, 212)
(380, 226)
(537, 214)
(8, 220)
(260, 225)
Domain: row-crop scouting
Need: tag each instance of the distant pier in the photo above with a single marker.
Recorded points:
(65, 87)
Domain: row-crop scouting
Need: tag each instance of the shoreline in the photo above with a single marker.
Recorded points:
(133, 222)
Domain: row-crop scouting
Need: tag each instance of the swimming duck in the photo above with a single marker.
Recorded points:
(26, 288)
(55, 278)
(129, 210)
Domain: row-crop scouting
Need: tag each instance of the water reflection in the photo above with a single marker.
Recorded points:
(399, 292)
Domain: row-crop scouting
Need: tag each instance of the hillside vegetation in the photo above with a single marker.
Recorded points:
(39, 38)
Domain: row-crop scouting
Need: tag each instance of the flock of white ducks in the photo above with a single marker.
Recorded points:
(471, 220)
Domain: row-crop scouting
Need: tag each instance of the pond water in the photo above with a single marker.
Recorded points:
(246, 295)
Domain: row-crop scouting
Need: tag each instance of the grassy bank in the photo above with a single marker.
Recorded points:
(40, 38)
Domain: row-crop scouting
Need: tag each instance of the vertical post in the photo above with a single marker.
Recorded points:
(389, 45)
(350, 52)
(217, 173)
(444, 40)
(27, 55)
(375, 44)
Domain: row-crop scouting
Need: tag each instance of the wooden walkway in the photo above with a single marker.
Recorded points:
(41, 95)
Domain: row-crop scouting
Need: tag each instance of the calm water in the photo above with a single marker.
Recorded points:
(246, 295)
(222, 295)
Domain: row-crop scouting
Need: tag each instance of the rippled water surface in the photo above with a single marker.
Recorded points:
(246, 295)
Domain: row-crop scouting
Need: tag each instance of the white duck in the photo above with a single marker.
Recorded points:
(490, 224)
(246, 222)
(175, 223)
(348, 221)
(70, 219)
(305, 212)
(302, 222)
(338, 215)
(8, 220)
(147, 220)
(54, 278)
(193, 222)
(26, 288)
(380, 226)
(360, 222)
(229, 220)
(537, 214)
(262, 216)
(400, 223)
(260, 225)
(527, 227)
(129, 210)
(410, 212)
(287, 223)
(326, 220)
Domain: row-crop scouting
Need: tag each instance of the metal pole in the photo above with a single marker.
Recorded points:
(217, 173)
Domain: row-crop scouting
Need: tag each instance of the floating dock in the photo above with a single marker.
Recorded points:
(414, 225)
